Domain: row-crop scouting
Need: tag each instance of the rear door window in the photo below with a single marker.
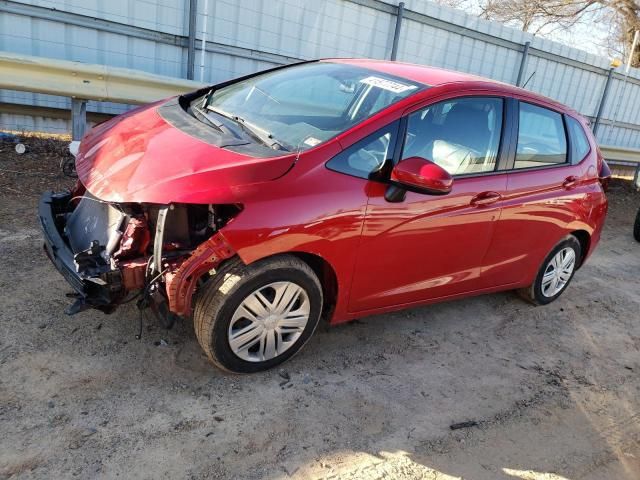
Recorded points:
(541, 137)
(462, 135)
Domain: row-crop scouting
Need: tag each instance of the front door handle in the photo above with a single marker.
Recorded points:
(570, 182)
(485, 198)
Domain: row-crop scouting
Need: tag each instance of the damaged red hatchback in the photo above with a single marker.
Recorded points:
(335, 189)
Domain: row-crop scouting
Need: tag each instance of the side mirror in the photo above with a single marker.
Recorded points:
(422, 176)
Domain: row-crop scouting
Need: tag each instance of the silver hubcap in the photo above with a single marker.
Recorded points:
(269, 321)
(558, 272)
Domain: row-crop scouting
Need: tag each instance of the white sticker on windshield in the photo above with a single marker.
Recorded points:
(312, 141)
(385, 84)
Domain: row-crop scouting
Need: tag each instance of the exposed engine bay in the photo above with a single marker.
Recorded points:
(117, 253)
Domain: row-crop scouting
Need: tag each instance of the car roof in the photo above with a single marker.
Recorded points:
(418, 73)
(433, 77)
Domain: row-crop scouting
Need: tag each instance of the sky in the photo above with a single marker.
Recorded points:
(590, 35)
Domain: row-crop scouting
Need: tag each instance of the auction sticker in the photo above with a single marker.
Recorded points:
(395, 87)
(312, 141)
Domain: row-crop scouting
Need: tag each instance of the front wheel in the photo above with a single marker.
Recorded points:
(250, 318)
(556, 272)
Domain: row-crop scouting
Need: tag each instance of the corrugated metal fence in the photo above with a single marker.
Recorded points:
(249, 35)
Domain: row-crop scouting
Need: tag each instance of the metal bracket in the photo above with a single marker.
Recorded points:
(396, 32)
(78, 118)
(159, 238)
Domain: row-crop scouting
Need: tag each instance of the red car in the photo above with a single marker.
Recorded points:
(328, 189)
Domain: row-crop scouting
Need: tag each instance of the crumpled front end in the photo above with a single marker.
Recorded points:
(95, 284)
(113, 253)
(150, 198)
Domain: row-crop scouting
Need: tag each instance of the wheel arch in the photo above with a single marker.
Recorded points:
(328, 280)
(323, 269)
(584, 238)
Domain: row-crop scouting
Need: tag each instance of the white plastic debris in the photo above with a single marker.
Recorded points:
(74, 147)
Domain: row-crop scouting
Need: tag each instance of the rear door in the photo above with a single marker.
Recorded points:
(544, 190)
(424, 246)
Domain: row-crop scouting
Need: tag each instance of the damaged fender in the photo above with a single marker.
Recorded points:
(181, 282)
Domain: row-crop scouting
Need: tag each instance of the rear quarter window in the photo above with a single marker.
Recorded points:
(579, 142)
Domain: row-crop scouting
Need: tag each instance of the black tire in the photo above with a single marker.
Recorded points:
(227, 289)
(533, 293)
(636, 227)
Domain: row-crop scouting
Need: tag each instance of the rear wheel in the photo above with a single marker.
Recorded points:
(253, 317)
(556, 272)
(636, 227)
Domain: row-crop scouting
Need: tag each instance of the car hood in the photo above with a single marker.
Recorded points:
(140, 157)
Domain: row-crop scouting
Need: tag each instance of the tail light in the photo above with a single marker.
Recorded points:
(604, 175)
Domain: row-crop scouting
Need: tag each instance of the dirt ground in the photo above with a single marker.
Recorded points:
(554, 391)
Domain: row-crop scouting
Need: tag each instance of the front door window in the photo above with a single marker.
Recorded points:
(461, 135)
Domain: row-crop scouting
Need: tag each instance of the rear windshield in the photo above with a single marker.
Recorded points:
(304, 105)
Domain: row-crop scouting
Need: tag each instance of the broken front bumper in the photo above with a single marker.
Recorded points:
(96, 290)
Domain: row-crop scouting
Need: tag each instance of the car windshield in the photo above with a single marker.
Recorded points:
(300, 107)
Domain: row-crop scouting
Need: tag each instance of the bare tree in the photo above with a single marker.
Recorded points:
(536, 16)
(544, 17)
(627, 16)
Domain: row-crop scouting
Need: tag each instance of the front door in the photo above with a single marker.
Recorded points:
(424, 246)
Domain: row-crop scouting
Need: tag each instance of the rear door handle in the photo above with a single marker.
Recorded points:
(570, 182)
(485, 198)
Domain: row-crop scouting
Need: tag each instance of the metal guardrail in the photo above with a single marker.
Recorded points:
(620, 154)
(87, 81)
(625, 157)
(84, 81)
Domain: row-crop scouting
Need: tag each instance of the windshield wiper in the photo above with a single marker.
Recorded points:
(259, 133)
(207, 97)
(214, 123)
(262, 134)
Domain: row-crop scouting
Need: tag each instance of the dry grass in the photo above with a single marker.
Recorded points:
(64, 137)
